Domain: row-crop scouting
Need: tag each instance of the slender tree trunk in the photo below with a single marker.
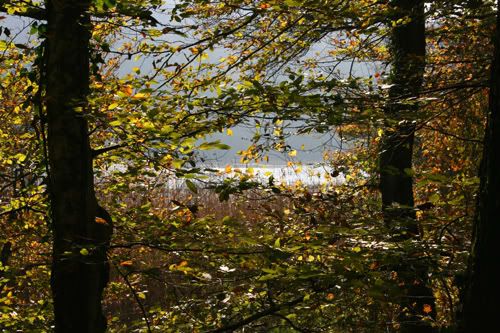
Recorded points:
(396, 183)
(482, 290)
(79, 268)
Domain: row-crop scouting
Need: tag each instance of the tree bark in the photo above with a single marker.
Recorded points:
(482, 290)
(407, 46)
(80, 268)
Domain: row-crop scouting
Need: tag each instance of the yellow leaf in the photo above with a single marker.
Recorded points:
(292, 153)
(84, 252)
(140, 95)
(228, 169)
(229, 132)
(112, 106)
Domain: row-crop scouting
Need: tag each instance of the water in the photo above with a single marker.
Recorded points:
(310, 175)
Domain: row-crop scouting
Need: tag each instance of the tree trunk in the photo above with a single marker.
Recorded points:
(79, 269)
(407, 48)
(482, 290)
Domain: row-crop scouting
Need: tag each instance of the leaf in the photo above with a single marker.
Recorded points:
(84, 252)
(434, 198)
(140, 95)
(269, 270)
(427, 309)
(100, 220)
(222, 146)
(112, 106)
(127, 89)
(277, 242)
(126, 263)
(191, 186)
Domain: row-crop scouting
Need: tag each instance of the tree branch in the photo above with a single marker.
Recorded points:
(264, 313)
(39, 13)
(32, 11)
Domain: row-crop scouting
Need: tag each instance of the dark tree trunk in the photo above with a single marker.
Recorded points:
(396, 183)
(482, 290)
(80, 268)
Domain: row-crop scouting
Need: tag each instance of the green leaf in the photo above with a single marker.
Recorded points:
(191, 186)
(277, 243)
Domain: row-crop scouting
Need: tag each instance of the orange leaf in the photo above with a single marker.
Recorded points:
(427, 308)
(126, 263)
(100, 220)
(330, 296)
(127, 90)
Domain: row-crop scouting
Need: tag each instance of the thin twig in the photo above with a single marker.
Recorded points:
(136, 297)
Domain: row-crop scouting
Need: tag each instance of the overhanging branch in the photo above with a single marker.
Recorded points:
(39, 13)
(33, 12)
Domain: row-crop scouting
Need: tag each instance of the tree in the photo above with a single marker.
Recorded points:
(396, 179)
(81, 228)
(482, 290)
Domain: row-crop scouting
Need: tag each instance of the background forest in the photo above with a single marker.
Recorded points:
(105, 105)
